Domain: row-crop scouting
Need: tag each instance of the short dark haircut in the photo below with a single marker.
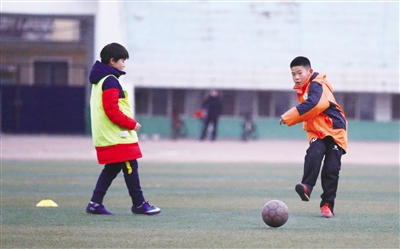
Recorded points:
(300, 61)
(113, 50)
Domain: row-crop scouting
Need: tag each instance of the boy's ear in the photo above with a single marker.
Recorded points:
(112, 61)
(311, 71)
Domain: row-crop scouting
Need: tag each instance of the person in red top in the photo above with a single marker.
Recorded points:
(326, 127)
(114, 132)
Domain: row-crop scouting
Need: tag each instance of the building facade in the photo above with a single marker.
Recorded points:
(181, 50)
(245, 48)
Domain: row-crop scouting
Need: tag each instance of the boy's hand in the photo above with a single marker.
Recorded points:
(137, 127)
(281, 122)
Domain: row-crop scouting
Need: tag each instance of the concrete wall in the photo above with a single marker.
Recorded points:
(50, 7)
(249, 45)
(244, 45)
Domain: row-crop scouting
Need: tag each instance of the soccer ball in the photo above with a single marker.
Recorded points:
(275, 213)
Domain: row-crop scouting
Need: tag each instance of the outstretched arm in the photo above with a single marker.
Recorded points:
(314, 105)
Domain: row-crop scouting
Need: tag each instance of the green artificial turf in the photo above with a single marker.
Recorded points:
(203, 206)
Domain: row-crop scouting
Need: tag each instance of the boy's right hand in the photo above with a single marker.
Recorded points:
(137, 127)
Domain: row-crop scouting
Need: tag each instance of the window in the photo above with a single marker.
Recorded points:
(235, 103)
(39, 28)
(228, 102)
(245, 102)
(66, 30)
(51, 73)
(178, 100)
(142, 97)
(264, 103)
(282, 103)
(367, 106)
(159, 101)
(350, 105)
(193, 101)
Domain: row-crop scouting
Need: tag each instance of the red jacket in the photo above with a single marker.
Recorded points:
(318, 110)
(112, 91)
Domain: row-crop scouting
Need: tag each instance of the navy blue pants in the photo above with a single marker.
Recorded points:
(326, 151)
(210, 121)
(131, 175)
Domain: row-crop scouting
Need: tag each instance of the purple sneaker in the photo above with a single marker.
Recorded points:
(94, 208)
(146, 208)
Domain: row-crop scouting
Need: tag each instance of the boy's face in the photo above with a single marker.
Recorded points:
(300, 75)
(120, 64)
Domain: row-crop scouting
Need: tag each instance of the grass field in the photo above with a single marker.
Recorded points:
(204, 205)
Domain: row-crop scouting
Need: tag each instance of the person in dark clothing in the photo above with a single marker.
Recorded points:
(212, 110)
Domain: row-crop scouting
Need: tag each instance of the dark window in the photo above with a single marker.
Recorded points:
(142, 101)
(178, 100)
(245, 101)
(228, 102)
(396, 106)
(39, 28)
(26, 27)
(367, 106)
(159, 101)
(349, 105)
(264, 104)
(51, 73)
(282, 103)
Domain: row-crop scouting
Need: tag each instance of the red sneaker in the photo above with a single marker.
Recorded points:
(302, 190)
(326, 211)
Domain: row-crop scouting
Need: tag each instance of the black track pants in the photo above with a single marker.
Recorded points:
(326, 151)
(210, 121)
(131, 176)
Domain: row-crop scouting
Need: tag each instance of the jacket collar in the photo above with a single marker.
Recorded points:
(100, 70)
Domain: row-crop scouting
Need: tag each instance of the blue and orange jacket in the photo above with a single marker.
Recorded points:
(318, 110)
(112, 91)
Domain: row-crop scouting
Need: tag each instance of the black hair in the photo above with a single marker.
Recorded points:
(300, 61)
(113, 50)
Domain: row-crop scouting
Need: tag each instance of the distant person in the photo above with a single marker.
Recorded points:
(177, 126)
(114, 131)
(326, 126)
(248, 127)
(212, 109)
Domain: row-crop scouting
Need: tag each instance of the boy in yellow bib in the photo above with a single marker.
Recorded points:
(114, 131)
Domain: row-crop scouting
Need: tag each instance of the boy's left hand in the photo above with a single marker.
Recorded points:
(137, 127)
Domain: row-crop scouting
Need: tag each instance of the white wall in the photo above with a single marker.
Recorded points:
(243, 45)
(249, 45)
(109, 25)
(49, 7)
